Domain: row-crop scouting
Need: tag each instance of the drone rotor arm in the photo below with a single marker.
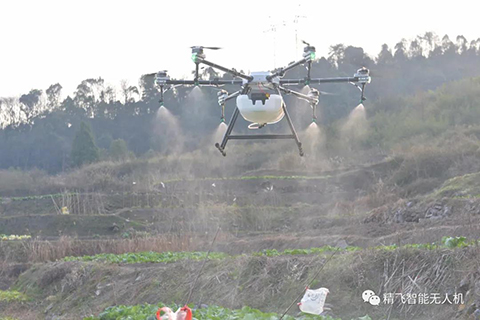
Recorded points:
(216, 82)
(282, 71)
(319, 80)
(231, 71)
(233, 95)
(312, 100)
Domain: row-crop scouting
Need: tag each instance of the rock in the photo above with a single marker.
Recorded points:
(476, 314)
(50, 306)
(399, 216)
(267, 186)
(464, 284)
(446, 211)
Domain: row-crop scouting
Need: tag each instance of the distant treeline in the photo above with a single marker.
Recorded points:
(39, 127)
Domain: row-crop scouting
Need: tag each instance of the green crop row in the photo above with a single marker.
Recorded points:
(157, 257)
(149, 256)
(4, 237)
(446, 243)
(148, 311)
(175, 256)
(265, 177)
(274, 252)
(43, 196)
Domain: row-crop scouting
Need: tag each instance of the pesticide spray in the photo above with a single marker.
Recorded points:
(195, 99)
(168, 132)
(355, 128)
(314, 140)
(219, 133)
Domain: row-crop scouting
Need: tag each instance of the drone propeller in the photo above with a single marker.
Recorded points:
(323, 93)
(305, 42)
(154, 74)
(202, 47)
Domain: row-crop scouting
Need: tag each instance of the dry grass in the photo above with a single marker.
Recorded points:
(43, 250)
(380, 195)
(424, 272)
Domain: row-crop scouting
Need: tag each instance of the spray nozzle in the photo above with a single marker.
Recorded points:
(314, 120)
(222, 119)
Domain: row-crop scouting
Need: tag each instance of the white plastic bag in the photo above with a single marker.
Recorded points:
(313, 301)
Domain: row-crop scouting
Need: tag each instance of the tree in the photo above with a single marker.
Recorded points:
(336, 54)
(30, 103)
(128, 92)
(448, 46)
(399, 54)
(385, 56)
(84, 150)
(416, 50)
(118, 150)
(88, 95)
(11, 112)
(53, 95)
(462, 44)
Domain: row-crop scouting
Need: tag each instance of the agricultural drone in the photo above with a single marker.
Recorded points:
(260, 99)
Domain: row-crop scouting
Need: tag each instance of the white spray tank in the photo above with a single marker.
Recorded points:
(313, 301)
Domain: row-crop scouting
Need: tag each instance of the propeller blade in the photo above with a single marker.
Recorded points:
(202, 47)
(154, 74)
(327, 93)
(305, 42)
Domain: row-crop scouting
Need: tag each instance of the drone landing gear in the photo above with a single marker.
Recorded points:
(229, 136)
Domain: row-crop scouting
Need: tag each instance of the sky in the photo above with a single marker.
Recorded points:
(57, 41)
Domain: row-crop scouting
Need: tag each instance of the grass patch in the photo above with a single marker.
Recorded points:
(12, 296)
(466, 186)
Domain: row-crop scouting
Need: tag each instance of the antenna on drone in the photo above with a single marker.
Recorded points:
(295, 21)
(273, 28)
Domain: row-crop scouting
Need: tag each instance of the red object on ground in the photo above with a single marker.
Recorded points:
(169, 315)
(184, 313)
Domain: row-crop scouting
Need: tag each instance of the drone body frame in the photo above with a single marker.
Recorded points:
(260, 99)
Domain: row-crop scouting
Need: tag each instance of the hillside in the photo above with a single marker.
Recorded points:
(387, 199)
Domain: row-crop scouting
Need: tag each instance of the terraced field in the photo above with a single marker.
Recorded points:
(146, 247)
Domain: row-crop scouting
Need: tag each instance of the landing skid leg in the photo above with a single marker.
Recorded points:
(294, 133)
(221, 147)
